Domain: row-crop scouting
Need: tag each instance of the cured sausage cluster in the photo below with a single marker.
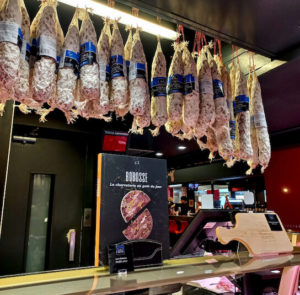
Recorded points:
(196, 98)
(217, 108)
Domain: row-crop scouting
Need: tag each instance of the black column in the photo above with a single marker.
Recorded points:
(6, 124)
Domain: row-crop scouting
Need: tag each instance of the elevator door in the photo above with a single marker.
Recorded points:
(65, 162)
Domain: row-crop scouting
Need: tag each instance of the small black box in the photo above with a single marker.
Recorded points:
(134, 254)
(146, 253)
(120, 257)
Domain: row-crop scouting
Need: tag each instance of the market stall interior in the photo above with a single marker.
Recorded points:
(205, 88)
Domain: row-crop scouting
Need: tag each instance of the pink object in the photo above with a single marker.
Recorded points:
(289, 281)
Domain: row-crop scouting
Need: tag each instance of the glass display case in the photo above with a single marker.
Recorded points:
(167, 279)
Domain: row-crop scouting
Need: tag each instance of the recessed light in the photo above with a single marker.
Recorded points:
(180, 272)
(158, 154)
(181, 147)
(285, 190)
(275, 271)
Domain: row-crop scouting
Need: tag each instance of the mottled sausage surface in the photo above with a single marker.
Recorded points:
(22, 91)
(258, 120)
(119, 83)
(138, 87)
(159, 115)
(10, 18)
(175, 86)
(191, 102)
(242, 116)
(44, 77)
(207, 107)
(67, 80)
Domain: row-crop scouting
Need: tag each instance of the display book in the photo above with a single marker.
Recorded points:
(132, 212)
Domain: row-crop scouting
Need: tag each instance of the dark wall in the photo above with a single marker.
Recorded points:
(5, 131)
(213, 171)
(282, 185)
(72, 164)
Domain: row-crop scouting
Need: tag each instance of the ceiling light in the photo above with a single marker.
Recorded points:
(158, 154)
(123, 17)
(24, 139)
(275, 271)
(181, 147)
(285, 190)
(180, 272)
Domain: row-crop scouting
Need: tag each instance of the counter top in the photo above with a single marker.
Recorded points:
(181, 217)
(98, 280)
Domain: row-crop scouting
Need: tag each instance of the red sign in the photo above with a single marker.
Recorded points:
(216, 194)
(114, 143)
(170, 192)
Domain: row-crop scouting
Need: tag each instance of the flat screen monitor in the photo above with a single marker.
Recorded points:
(193, 186)
(200, 236)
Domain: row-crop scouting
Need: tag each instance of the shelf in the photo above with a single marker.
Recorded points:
(95, 280)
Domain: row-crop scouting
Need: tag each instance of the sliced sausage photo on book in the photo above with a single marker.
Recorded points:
(132, 203)
(140, 228)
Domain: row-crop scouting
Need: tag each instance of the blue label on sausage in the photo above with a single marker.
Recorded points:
(87, 54)
(107, 70)
(189, 84)
(127, 66)
(57, 64)
(116, 66)
(20, 33)
(25, 51)
(28, 49)
(240, 104)
(175, 84)
(232, 127)
(33, 49)
(20, 38)
(137, 70)
(70, 59)
(104, 72)
(218, 88)
(72, 55)
(158, 86)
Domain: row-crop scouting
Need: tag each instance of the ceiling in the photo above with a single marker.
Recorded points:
(280, 91)
(263, 26)
(269, 29)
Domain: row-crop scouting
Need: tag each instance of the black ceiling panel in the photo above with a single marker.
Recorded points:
(280, 92)
(270, 27)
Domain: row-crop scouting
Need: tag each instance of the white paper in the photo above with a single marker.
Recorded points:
(133, 72)
(23, 50)
(47, 46)
(207, 201)
(62, 60)
(248, 198)
(259, 120)
(205, 86)
(9, 32)
(102, 71)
